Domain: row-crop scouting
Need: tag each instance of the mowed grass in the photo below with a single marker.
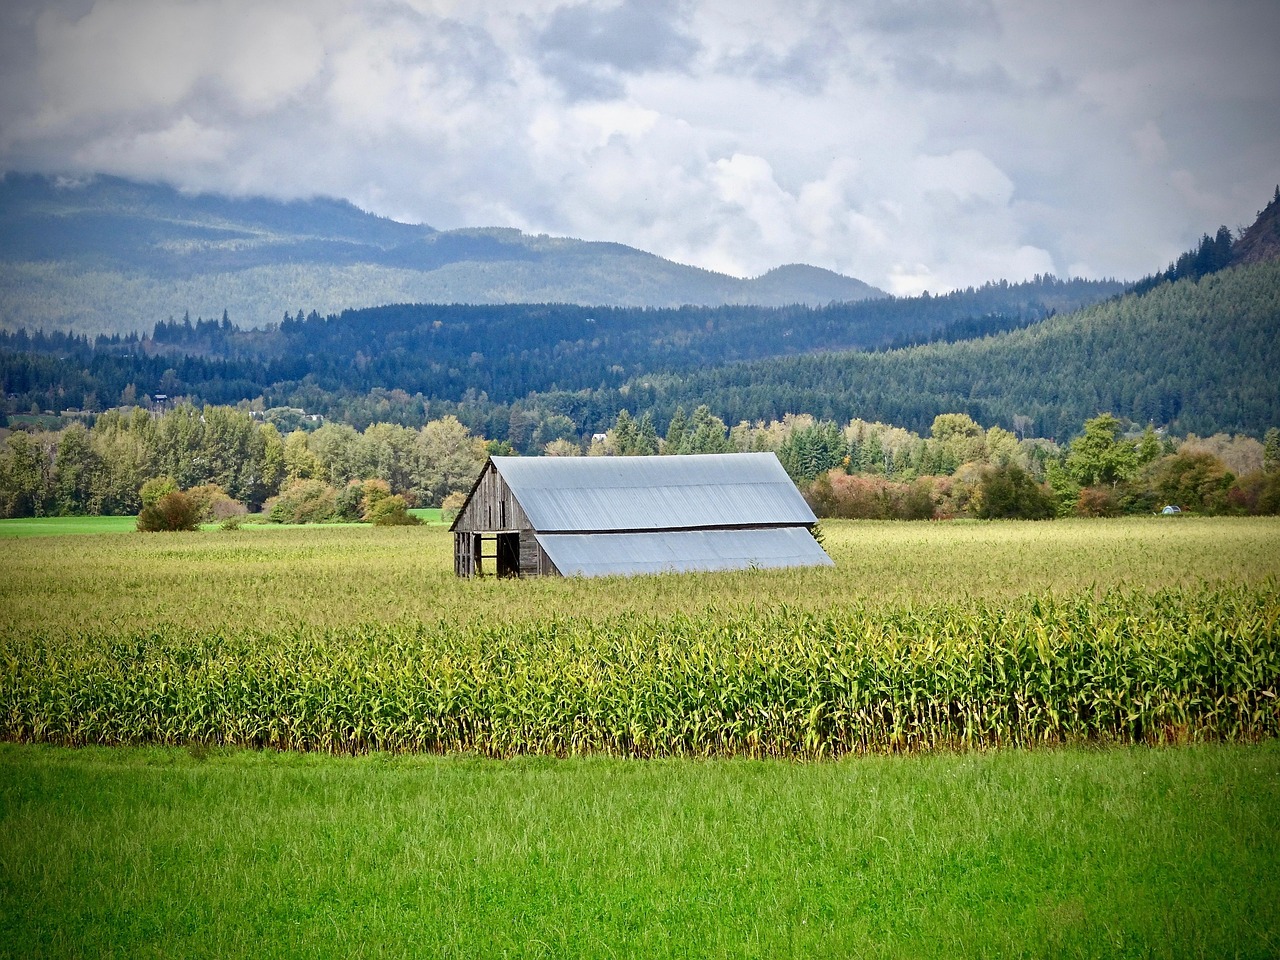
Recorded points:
(69, 526)
(65, 526)
(1118, 853)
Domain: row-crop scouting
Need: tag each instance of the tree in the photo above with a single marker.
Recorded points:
(1149, 448)
(707, 433)
(1271, 450)
(1099, 455)
(646, 444)
(675, 431)
(1199, 481)
(155, 488)
(961, 435)
(448, 458)
(300, 463)
(77, 474)
(26, 468)
(1009, 492)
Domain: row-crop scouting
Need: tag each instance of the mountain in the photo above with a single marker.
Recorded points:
(1194, 355)
(106, 255)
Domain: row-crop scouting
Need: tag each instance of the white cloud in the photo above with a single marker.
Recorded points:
(914, 146)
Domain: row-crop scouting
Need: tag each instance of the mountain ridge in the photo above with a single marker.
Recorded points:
(109, 255)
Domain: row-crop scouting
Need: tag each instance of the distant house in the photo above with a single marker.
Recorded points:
(596, 516)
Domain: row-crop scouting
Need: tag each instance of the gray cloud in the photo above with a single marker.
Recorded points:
(589, 48)
(916, 145)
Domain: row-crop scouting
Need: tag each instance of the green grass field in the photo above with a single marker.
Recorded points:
(205, 850)
(64, 526)
(1065, 853)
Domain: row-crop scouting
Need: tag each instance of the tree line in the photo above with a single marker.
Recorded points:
(230, 455)
(238, 460)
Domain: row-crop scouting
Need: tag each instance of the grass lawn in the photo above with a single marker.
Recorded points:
(166, 852)
(62, 526)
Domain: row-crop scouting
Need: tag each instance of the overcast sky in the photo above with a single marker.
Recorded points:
(914, 145)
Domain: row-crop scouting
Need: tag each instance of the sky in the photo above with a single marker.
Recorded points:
(922, 145)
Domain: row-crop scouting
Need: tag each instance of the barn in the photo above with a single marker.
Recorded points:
(601, 516)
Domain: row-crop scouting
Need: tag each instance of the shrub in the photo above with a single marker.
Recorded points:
(1256, 493)
(215, 504)
(373, 492)
(862, 497)
(304, 501)
(173, 511)
(1097, 502)
(155, 488)
(392, 511)
(1010, 493)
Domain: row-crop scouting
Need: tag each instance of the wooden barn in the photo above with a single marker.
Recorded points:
(597, 516)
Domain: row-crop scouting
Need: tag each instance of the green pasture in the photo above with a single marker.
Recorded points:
(1129, 852)
(64, 526)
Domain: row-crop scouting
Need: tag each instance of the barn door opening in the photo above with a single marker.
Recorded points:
(508, 561)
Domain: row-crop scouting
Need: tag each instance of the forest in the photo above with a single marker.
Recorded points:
(453, 354)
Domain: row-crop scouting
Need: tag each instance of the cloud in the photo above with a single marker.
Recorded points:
(590, 47)
(926, 144)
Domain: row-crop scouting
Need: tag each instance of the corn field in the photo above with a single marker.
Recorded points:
(1139, 667)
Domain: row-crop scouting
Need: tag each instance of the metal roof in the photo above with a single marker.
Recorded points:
(581, 494)
(605, 554)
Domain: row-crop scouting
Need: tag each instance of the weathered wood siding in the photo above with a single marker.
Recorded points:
(492, 507)
(491, 511)
(534, 561)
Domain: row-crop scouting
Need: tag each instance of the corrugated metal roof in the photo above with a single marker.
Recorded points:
(605, 554)
(567, 494)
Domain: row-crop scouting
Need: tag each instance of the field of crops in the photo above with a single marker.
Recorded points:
(922, 636)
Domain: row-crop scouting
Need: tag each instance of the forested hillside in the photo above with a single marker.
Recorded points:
(111, 256)
(1198, 356)
(505, 353)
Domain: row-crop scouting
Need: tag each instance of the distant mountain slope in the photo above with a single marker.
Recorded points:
(109, 255)
(503, 352)
(1199, 356)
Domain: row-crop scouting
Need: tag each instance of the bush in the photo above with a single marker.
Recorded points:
(215, 503)
(861, 497)
(392, 511)
(1010, 493)
(304, 501)
(1256, 493)
(155, 488)
(173, 511)
(1097, 502)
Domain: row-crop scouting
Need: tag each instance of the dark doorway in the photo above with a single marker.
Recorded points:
(508, 564)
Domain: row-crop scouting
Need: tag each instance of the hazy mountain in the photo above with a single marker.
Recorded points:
(110, 255)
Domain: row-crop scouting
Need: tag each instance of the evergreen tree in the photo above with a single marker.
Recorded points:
(676, 431)
(646, 444)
